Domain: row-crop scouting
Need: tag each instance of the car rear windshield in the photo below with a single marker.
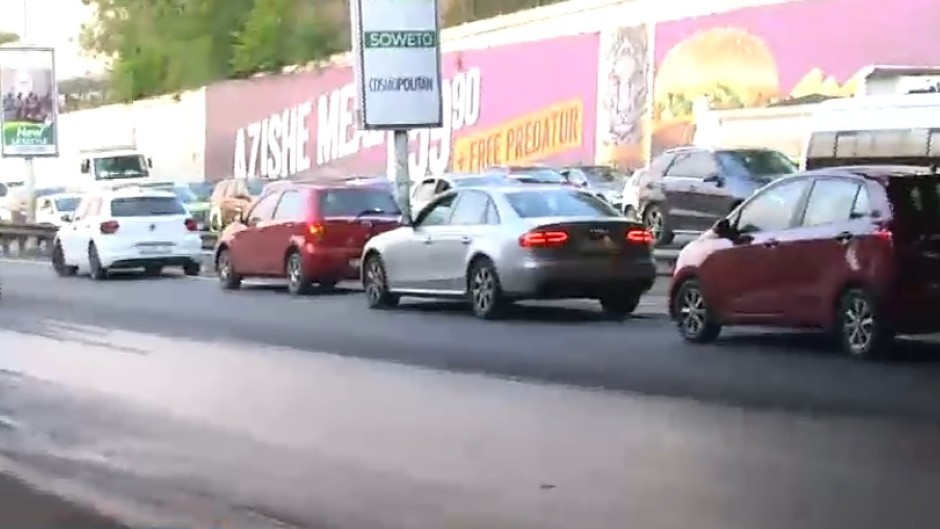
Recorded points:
(558, 203)
(146, 207)
(357, 202)
(539, 176)
(67, 204)
(915, 201)
(758, 162)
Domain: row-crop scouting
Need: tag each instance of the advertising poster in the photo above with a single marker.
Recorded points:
(795, 52)
(28, 88)
(512, 104)
(623, 97)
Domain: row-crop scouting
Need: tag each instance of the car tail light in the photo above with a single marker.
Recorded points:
(315, 230)
(109, 226)
(191, 224)
(639, 236)
(543, 239)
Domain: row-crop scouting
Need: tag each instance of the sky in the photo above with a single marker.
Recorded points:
(55, 23)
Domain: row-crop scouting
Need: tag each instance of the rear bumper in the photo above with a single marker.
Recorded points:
(118, 254)
(577, 278)
(331, 264)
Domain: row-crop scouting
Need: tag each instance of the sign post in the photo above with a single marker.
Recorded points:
(29, 121)
(398, 74)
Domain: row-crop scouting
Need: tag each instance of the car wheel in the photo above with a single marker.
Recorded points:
(58, 262)
(95, 270)
(298, 283)
(693, 317)
(484, 290)
(620, 305)
(861, 331)
(655, 221)
(192, 268)
(375, 284)
(228, 278)
(153, 271)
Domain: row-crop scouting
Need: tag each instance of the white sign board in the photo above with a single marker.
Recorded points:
(398, 63)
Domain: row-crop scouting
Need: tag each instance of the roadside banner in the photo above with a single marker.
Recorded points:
(398, 64)
(29, 121)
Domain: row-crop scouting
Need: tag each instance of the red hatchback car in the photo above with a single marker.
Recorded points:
(307, 233)
(851, 250)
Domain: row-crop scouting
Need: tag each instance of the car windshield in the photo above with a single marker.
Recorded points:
(146, 207)
(558, 203)
(359, 201)
(471, 181)
(603, 175)
(118, 167)
(540, 176)
(185, 194)
(202, 190)
(758, 162)
(67, 204)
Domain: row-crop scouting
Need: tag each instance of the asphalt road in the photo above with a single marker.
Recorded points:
(170, 396)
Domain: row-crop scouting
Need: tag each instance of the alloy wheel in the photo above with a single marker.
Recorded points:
(859, 325)
(224, 267)
(375, 281)
(294, 272)
(654, 223)
(692, 313)
(483, 289)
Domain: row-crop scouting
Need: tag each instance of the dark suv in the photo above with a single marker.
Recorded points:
(687, 189)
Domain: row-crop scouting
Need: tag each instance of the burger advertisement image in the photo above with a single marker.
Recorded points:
(786, 53)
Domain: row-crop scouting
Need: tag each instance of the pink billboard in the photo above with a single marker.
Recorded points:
(517, 103)
(789, 52)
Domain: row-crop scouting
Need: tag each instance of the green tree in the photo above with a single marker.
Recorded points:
(6, 38)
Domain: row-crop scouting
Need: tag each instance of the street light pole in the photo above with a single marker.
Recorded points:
(30, 165)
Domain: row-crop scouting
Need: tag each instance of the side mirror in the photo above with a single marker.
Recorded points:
(66, 217)
(85, 167)
(150, 163)
(723, 229)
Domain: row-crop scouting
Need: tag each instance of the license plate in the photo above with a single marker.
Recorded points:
(354, 263)
(154, 250)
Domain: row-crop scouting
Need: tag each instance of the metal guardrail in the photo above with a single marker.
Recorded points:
(35, 240)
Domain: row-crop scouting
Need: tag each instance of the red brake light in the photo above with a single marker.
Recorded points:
(884, 234)
(639, 236)
(109, 226)
(191, 224)
(543, 239)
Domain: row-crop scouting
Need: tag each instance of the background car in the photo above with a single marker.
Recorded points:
(854, 251)
(127, 228)
(230, 198)
(686, 190)
(605, 182)
(197, 208)
(630, 196)
(427, 189)
(495, 245)
(57, 209)
(307, 233)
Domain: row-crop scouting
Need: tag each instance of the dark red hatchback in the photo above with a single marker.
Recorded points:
(851, 250)
(307, 233)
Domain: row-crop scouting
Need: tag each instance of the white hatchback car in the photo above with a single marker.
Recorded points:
(127, 228)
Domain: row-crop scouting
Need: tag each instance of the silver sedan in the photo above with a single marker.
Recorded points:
(496, 245)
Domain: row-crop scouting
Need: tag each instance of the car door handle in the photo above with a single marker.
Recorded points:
(466, 240)
(844, 237)
(772, 243)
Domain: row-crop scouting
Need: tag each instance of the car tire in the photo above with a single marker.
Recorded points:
(375, 284)
(153, 271)
(225, 270)
(58, 262)
(621, 305)
(95, 270)
(298, 284)
(192, 268)
(860, 328)
(656, 221)
(485, 291)
(692, 315)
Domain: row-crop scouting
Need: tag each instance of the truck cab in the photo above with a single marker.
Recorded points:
(108, 165)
